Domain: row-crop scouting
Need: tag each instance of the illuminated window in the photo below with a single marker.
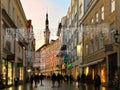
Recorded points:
(86, 70)
(96, 17)
(102, 13)
(86, 48)
(103, 73)
(112, 5)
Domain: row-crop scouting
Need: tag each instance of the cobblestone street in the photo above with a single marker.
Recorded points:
(47, 85)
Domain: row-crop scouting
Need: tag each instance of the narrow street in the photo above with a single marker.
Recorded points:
(47, 85)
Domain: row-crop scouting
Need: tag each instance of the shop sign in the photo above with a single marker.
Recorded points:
(69, 65)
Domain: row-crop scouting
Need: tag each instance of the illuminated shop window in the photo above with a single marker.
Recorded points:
(103, 73)
(86, 70)
(21, 73)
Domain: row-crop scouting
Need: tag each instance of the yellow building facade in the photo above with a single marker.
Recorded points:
(100, 53)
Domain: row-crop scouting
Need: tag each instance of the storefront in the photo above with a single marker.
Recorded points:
(99, 68)
(7, 71)
(20, 70)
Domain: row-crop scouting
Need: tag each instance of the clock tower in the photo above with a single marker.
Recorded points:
(46, 32)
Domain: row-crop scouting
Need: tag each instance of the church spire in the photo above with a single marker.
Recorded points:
(46, 32)
(47, 22)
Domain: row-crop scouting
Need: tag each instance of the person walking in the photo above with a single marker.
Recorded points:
(31, 80)
(71, 79)
(41, 78)
(35, 79)
(53, 78)
(83, 78)
(58, 77)
(78, 80)
(97, 82)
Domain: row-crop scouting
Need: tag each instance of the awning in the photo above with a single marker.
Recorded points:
(92, 63)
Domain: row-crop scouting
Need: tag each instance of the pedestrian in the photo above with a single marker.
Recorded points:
(16, 81)
(71, 78)
(97, 82)
(41, 78)
(78, 79)
(89, 79)
(116, 81)
(53, 78)
(58, 77)
(83, 78)
(31, 80)
(35, 79)
(1, 81)
(67, 78)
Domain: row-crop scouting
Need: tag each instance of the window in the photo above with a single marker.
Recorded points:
(86, 49)
(92, 21)
(96, 17)
(91, 46)
(13, 14)
(102, 13)
(112, 5)
(4, 2)
(101, 40)
(112, 29)
(9, 7)
(96, 43)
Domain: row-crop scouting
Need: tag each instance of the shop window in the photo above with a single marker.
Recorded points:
(103, 73)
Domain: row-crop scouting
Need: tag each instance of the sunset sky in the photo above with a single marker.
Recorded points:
(36, 11)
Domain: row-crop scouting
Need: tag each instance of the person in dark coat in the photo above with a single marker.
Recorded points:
(53, 78)
(67, 78)
(71, 79)
(78, 78)
(58, 77)
(35, 79)
(31, 79)
(83, 78)
(97, 82)
(41, 78)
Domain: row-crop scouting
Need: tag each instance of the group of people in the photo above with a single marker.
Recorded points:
(88, 80)
(36, 79)
(57, 78)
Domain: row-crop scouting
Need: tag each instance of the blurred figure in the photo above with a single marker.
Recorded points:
(1, 81)
(116, 81)
(78, 80)
(58, 77)
(71, 79)
(41, 78)
(67, 78)
(31, 79)
(35, 79)
(53, 78)
(83, 78)
(97, 82)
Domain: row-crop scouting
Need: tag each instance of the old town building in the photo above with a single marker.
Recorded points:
(100, 52)
(13, 41)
